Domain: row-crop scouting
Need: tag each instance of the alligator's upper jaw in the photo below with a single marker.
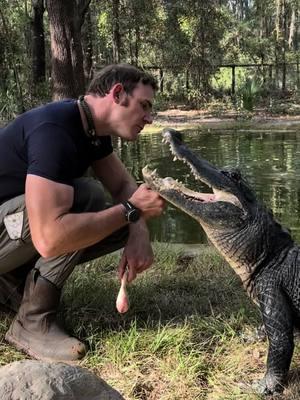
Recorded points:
(200, 168)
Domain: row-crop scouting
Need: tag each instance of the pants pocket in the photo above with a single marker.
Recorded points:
(16, 247)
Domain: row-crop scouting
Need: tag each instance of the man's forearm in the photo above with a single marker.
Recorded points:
(71, 232)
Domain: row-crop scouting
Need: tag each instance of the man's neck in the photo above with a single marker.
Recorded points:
(99, 110)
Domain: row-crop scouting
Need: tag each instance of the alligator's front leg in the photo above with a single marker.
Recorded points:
(278, 320)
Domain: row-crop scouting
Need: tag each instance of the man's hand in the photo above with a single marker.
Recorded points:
(138, 253)
(148, 201)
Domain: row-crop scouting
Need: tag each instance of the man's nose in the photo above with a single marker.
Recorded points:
(148, 118)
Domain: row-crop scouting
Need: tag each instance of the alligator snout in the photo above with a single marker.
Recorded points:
(171, 134)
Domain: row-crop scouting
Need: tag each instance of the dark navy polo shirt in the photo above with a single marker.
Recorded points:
(48, 141)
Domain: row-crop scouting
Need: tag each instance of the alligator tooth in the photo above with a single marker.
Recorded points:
(154, 172)
(175, 158)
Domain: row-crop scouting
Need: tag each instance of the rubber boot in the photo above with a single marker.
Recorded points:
(35, 330)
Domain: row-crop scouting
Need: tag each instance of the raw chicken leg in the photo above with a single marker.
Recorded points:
(122, 302)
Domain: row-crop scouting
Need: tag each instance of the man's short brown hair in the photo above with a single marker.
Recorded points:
(126, 74)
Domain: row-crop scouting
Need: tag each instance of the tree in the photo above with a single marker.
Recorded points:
(10, 62)
(87, 45)
(116, 42)
(66, 19)
(38, 42)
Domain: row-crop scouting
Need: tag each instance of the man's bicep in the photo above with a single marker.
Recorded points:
(46, 201)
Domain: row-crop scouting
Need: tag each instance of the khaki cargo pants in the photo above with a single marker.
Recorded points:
(17, 250)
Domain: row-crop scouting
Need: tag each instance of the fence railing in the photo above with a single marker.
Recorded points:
(272, 72)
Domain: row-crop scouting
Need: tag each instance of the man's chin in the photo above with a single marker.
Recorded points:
(134, 134)
(130, 134)
(130, 137)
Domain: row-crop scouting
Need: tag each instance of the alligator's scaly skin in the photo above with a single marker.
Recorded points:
(260, 250)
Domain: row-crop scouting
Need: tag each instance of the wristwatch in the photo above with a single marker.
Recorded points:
(132, 213)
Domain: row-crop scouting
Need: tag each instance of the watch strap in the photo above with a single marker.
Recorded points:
(129, 206)
(132, 213)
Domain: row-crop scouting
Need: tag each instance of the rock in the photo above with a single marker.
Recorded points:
(36, 380)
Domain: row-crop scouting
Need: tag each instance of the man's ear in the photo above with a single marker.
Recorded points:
(117, 92)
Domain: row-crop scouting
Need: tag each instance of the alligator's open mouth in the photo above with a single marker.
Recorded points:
(163, 185)
(167, 185)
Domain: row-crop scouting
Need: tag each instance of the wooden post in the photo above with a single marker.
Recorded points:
(283, 77)
(298, 75)
(161, 80)
(233, 79)
(187, 80)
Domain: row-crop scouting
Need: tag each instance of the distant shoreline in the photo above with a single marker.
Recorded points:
(195, 119)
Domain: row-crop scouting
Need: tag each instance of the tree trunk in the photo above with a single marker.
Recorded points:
(277, 19)
(38, 42)
(137, 44)
(284, 46)
(292, 29)
(11, 60)
(66, 19)
(60, 14)
(116, 32)
(87, 41)
(79, 10)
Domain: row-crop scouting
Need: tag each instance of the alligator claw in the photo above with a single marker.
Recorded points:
(261, 387)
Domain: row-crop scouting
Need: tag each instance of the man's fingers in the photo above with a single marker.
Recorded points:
(131, 274)
(145, 186)
(122, 266)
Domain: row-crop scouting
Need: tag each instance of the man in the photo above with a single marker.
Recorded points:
(52, 218)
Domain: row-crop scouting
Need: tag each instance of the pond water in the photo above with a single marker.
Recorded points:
(270, 161)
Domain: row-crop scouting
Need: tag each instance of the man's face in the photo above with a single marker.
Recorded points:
(135, 111)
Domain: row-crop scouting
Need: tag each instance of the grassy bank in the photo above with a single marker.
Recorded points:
(188, 334)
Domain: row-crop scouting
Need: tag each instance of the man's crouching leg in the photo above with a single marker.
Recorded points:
(35, 329)
(12, 287)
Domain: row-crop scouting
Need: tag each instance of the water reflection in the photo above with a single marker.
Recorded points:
(270, 161)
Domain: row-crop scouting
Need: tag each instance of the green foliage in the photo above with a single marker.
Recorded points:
(248, 93)
(178, 36)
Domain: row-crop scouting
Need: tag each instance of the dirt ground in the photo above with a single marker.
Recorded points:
(180, 118)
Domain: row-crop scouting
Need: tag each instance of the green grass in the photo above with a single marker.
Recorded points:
(187, 334)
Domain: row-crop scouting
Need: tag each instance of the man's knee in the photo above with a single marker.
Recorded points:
(89, 195)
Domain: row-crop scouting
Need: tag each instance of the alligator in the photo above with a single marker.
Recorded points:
(256, 246)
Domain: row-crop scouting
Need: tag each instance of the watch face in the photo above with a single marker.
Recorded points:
(133, 215)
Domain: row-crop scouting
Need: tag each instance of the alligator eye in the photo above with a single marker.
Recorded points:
(236, 175)
(233, 174)
(177, 136)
